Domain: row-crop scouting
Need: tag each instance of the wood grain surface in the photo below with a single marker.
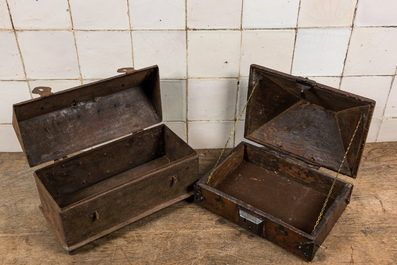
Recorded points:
(185, 233)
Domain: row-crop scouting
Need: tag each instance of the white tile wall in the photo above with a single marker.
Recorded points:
(100, 14)
(388, 132)
(376, 13)
(179, 128)
(374, 130)
(157, 14)
(373, 87)
(372, 51)
(209, 134)
(43, 14)
(204, 49)
(331, 81)
(11, 93)
(326, 13)
(391, 106)
(212, 99)
(56, 85)
(167, 49)
(101, 53)
(8, 140)
(49, 54)
(173, 100)
(11, 64)
(5, 22)
(214, 53)
(209, 14)
(320, 52)
(258, 48)
(270, 13)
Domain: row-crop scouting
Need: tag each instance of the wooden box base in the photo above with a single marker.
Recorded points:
(274, 197)
(96, 192)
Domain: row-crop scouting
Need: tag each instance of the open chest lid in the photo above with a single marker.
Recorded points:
(63, 123)
(306, 120)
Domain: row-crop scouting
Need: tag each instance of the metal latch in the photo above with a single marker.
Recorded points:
(251, 223)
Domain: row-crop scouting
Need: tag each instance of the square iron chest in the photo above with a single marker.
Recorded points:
(278, 190)
(92, 193)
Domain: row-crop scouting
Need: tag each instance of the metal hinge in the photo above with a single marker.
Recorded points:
(198, 195)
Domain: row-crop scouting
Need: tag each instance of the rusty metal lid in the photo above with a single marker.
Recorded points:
(306, 120)
(59, 124)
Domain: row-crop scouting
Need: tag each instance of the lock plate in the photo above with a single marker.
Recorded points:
(251, 223)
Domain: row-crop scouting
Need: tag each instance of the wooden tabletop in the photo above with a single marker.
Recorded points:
(185, 233)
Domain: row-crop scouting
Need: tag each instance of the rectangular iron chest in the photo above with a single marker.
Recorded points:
(92, 193)
(277, 190)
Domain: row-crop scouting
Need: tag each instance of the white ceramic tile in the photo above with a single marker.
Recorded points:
(372, 51)
(87, 81)
(11, 63)
(388, 131)
(240, 135)
(167, 49)
(373, 130)
(209, 134)
(100, 14)
(270, 13)
(56, 85)
(208, 14)
(373, 87)
(326, 13)
(5, 22)
(8, 139)
(101, 53)
(173, 99)
(376, 13)
(43, 14)
(11, 92)
(320, 52)
(331, 81)
(212, 99)
(214, 53)
(179, 128)
(391, 106)
(242, 96)
(258, 48)
(49, 54)
(157, 14)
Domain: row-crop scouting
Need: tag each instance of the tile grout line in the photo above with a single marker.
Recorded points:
(239, 71)
(296, 36)
(130, 31)
(348, 45)
(19, 49)
(75, 42)
(384, 109)
(187, 78)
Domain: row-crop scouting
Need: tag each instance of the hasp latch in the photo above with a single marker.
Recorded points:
(251, 223)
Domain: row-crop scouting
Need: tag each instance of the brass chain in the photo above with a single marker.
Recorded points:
(234, 129)
(337, 174)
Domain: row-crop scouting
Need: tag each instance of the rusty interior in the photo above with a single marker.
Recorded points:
(97, 171)
(281, 188)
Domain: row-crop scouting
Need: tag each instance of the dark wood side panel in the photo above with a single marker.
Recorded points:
(101, 213)
(51, 211)
(175, 147)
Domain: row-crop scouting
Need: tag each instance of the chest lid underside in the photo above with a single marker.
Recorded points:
(306, 120)
(72, 120)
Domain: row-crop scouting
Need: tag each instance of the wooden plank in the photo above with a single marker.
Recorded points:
(185, 233)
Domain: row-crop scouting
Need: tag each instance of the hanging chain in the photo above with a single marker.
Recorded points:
(234, 129)
(337, 174)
